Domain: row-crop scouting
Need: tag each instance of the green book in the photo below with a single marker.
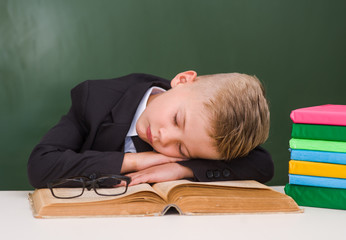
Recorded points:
(319, 145)
(321, 132)
(317, 196)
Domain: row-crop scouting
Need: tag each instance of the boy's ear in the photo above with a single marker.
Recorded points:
(184, 77)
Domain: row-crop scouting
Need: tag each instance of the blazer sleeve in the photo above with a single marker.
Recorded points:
(58, 153)
(257, 165)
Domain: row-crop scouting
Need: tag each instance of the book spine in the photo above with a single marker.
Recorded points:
(317, 181)
(318, 145)
(168, 207)
(318, 156)
(317, 169)
(318, 117)
(317, 196)
(319, 132)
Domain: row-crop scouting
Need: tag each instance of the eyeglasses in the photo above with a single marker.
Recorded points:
(104, 186)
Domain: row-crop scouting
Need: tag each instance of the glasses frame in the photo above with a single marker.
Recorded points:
(88, 183)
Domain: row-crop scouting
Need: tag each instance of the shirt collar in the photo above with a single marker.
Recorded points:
(141, 107)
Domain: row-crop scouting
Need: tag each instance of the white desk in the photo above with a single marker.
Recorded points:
(17, 222)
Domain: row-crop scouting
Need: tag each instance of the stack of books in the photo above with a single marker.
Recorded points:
(317, 169)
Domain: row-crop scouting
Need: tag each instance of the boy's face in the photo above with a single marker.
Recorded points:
(175, 122)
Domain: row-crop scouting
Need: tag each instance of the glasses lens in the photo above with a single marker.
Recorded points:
(111, 186)
(68, 188)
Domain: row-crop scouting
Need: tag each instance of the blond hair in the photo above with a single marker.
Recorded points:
(238, 112)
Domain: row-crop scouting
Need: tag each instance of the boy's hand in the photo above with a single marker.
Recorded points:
(160, 173)
(138, 161)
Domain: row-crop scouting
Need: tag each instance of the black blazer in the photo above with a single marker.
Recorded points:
(89, 139)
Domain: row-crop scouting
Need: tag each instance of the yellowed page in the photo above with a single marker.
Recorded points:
(91, 196)
(165, 187)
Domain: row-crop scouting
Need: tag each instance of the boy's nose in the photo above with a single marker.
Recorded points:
(166, 136)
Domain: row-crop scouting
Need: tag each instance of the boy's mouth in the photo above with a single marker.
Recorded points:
(149, 137)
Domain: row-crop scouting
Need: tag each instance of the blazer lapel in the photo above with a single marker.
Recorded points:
(111, 135)
(140, 145)
(125, 109)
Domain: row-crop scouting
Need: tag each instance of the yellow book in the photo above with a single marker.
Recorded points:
(188, 198)
(317, 169)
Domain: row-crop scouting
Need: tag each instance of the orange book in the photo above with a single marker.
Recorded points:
(317, 169)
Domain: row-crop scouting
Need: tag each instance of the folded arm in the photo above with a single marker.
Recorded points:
(257, 165)
(58, 155)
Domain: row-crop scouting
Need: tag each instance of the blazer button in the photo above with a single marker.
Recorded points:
(217, 174)
(92, 176)
(226, 172)
(210, 174)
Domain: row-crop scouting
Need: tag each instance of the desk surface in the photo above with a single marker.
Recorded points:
(17, 222)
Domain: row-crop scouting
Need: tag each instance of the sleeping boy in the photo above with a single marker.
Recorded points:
(204, 128)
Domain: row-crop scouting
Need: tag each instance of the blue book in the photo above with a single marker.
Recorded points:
(317, 181)
(318, 156)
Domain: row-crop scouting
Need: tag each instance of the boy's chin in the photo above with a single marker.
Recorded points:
(141, 134)
(143, 137)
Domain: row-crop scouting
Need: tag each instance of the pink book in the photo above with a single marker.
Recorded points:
(328, 114)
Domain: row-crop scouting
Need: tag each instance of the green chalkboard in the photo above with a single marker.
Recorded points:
(297, 48)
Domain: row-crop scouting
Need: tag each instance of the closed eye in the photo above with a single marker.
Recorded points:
(180, 151)
(175, 119)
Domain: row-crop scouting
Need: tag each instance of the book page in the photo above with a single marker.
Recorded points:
(186, 196)
(91, 196)
(165, 187)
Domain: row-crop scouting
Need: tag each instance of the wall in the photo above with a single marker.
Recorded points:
(297, 48)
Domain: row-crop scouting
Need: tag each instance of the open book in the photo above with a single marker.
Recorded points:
(189, 198)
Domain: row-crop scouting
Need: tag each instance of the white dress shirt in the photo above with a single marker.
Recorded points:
(129, 146)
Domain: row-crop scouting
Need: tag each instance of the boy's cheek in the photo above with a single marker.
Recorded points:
(167, 152)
